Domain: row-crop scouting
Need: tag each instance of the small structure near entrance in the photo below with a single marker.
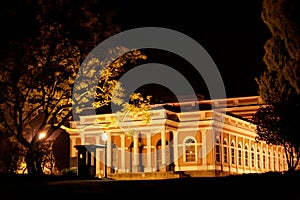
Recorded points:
(86, 160)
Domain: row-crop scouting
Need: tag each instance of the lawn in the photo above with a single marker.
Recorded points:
(269, 185)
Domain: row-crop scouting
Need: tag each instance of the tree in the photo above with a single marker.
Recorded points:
(37, 76)
(282, 17)
(11, 156)
(277, 121)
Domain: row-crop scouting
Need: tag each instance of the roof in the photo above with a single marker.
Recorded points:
(242, 107)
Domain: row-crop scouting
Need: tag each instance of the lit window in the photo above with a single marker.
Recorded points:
(240, 154)
(264, 159)
(190, 150)
(269, 160)
(218, 156)
(274, 161)
(246, 156)
(258, 158)
(279, 161)
(232, 153)
(283, 161)
(252, 157)
(225, 152)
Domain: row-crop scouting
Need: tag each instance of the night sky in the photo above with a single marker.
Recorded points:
(232, 32)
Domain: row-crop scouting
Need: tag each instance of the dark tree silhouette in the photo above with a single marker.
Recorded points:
(37, 75)
(278, 121)
(282, 50)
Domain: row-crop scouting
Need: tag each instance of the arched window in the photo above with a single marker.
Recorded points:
(240, 154)
(218, 150)
(252, 157)
(190, 150)
(225, 153)
(258, 158)
(279, 161)
(269, 160)
(274, 161)
(232, 152)
(283, 160)
(246, 155)
(264, 160)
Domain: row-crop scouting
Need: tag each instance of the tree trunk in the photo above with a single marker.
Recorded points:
(33, 163)
(29, 159)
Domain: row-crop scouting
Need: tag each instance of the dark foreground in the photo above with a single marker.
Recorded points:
(256, 186)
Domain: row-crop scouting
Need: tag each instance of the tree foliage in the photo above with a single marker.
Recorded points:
(11, 156)
(282, 50)
(277, 121)
(37, 75)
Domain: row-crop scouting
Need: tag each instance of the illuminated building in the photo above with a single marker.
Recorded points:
(197, 142)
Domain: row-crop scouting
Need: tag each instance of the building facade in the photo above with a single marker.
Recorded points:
(216, 138)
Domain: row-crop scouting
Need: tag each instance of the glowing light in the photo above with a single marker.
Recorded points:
(104, 136)
(42, 135)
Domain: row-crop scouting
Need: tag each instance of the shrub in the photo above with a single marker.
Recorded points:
(69, 172)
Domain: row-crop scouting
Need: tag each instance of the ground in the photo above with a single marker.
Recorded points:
(269, 185)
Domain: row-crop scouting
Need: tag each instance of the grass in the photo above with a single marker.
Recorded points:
(268, 185)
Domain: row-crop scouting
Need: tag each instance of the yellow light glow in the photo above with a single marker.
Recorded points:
(42, 135)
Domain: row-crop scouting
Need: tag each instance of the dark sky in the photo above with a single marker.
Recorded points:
(232, 32)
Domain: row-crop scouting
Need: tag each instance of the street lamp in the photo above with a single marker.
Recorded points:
(42, 135)
(104, 138)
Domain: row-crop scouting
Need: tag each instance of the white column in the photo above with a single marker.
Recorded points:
(221, 139)
(175, 149)
(123, 156)
(255, 156)
(135, 153)
(229, 151)
(275, 158)
(82, 137)
(205, 145)
(268, 157)
(236, 154)
(108, 151)
(243, 154)
(163, 147)
(261, 156)
(97, 137)
(73, 143)
(149, 163)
